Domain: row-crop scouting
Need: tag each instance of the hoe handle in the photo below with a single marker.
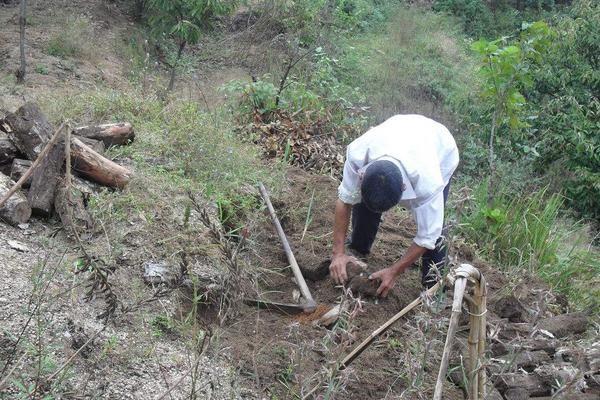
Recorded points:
(288, 250)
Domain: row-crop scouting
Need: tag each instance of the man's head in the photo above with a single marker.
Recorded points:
(381, 186)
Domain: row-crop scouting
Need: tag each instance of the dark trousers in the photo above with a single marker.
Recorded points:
(365, 224)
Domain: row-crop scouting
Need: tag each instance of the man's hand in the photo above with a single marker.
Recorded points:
(387, 277)
(337, 268)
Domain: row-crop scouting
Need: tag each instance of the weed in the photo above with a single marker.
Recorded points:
(41, 69)
(162, 324)
(525, 232)
(73, 40)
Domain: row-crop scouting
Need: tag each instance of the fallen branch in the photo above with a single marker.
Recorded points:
(43, 154)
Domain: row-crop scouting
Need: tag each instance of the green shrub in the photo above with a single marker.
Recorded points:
(566, 98)
(526, 232)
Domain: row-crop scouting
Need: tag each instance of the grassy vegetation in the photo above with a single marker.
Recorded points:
(528, 233)
(178, 148)
(74, 40)
(418, 63)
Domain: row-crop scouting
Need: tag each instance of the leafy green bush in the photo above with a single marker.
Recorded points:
(526, 232)
(566, 97)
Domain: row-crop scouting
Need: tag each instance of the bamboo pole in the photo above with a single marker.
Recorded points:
(473, 342)
(482, 377)
(459, 291)
(361, 347)
(310, 302)
(39, 159)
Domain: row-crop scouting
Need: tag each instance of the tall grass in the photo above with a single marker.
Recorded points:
(420, 63)
(528, 233)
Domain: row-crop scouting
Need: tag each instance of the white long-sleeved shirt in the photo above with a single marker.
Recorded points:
(426, 154)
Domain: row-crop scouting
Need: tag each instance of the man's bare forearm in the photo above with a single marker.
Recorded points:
(340, 226)
(413, 253)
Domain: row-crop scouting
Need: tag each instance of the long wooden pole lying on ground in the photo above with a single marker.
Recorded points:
(376, 333)
(310, 302)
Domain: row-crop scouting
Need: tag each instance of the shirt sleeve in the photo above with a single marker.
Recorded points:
(349, 189)
(430, 220)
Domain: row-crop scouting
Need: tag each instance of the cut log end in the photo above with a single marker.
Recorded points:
(16, 210)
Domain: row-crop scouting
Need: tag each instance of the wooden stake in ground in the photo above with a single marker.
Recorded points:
(310, 302)
(460, 277)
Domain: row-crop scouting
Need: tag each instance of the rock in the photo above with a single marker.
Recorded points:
(513, 386)
(18, 246)
(510, 307)
(157, 273)
(564, 324)
(527, 360)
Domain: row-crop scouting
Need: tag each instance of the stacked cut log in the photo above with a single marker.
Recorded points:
(24, 135)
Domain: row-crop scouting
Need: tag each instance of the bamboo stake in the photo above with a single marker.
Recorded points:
(310, 302)
(482, 377)
(459, 291)
(473, 341)
(361, 347)
(39, 159)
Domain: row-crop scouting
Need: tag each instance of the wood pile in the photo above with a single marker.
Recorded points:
(34, 155)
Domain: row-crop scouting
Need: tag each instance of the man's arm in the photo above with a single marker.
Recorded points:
(388, 275)
(337, 268)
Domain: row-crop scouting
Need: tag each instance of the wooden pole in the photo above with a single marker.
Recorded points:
(459, 291)
(27, 174)
(361, 347)
(311, 304)
(482, 376)
(473, 343)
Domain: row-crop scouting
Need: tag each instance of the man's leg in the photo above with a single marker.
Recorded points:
(365, 224)
(435, 257)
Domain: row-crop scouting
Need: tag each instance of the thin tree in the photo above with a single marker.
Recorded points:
(184, 21)
(22, 21)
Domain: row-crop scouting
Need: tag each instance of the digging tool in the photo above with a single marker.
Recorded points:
(310, 305)
(285, 308)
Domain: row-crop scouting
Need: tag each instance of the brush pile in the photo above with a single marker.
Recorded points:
(34, 153)
(309, 143)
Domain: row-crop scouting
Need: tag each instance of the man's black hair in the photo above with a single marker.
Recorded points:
(381, 187)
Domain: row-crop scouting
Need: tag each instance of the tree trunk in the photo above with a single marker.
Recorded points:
(96, 145)
(174, 68)
(110, 134)
(8, 151)
(45, 180)
(22, 23)
(16, 210)
(28, 128)
(18, 169)
(93, 166)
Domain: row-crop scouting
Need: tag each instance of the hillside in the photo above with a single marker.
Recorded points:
(84, 316)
